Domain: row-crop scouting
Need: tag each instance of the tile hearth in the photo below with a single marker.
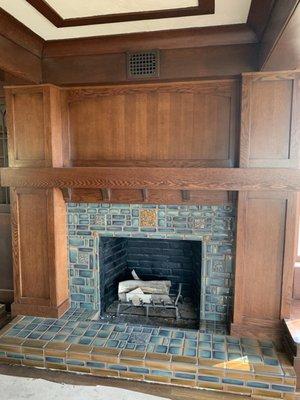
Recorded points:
(184, 357)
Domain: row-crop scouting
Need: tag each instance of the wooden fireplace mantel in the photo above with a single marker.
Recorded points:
(228, 179)
(165, 143)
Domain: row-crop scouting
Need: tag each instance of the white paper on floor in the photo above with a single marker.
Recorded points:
(18, 388)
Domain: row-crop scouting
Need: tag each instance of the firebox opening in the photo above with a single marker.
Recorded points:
(177, 261)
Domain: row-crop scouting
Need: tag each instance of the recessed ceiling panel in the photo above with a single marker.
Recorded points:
(87, 8)
(227, 12)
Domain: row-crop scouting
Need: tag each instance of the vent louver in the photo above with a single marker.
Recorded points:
(143, 64)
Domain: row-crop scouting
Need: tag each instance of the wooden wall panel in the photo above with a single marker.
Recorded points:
(270, 120)
(6, 269)
(39, 252)
(34, 268)
(264, 258)
(167, 123)
(138, 196)
(34, 125)
(264, 268)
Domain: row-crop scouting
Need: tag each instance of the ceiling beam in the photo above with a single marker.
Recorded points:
(203, 7)
(18, 33)
(170, 39)
(259, 14)
(283, 14)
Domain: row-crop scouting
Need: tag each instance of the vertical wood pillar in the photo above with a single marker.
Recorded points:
(39, 226)
(266, 226)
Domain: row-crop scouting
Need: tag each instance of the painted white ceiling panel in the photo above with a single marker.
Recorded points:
(227, 12)
(84, 8)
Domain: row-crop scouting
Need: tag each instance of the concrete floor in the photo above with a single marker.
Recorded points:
(139, 390)
(21, 388)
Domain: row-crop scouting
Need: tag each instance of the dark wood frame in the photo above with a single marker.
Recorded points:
(203, 7)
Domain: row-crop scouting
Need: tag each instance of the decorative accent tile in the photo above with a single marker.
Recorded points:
(148, 218)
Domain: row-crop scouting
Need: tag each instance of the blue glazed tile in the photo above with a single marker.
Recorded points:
(219, 346)
(60, 338)
(219, 355)
(283, 388)
(103, 334)
(259, 385)
(191, 335)
(204, 337)
(85, 340)
(271, 361)
(161, 373)
(208, 378)
(156, 340)
(90, 333)
(205, 354)
(205, 345)
(23, 334)
(94, 364)
(176, 342)
(120, 328)
(161, 349)
(140, 347)
(130, 346)
(234, 348)
(139, 370)
(234, 356)
(117, 367)
(232, 381)
(56, 360)
(15, 356)
(47, 336)
(72, 339)
(184, 375)
(175, 350)
(112, 343)
(34, 335)
(54, 329)
(192, 352)
(99, 342)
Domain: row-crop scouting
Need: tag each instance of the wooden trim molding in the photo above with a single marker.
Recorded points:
(170, 39)
(203, 7)
(228, 179)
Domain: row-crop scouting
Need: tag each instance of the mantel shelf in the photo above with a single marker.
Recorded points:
(227, 179)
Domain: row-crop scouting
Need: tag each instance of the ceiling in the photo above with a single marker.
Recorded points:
(65, 19)
(82, 8)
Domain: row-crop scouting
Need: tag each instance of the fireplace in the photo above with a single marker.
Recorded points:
(188, 244)
(176, 261)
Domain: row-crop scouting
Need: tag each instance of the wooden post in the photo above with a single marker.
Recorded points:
(39, 226)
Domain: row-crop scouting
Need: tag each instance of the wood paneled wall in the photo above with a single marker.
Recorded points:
(267, 227)
(172, 124)
(167, 124)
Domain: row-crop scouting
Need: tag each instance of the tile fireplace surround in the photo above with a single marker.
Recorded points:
(214, 226)
(203, 358)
